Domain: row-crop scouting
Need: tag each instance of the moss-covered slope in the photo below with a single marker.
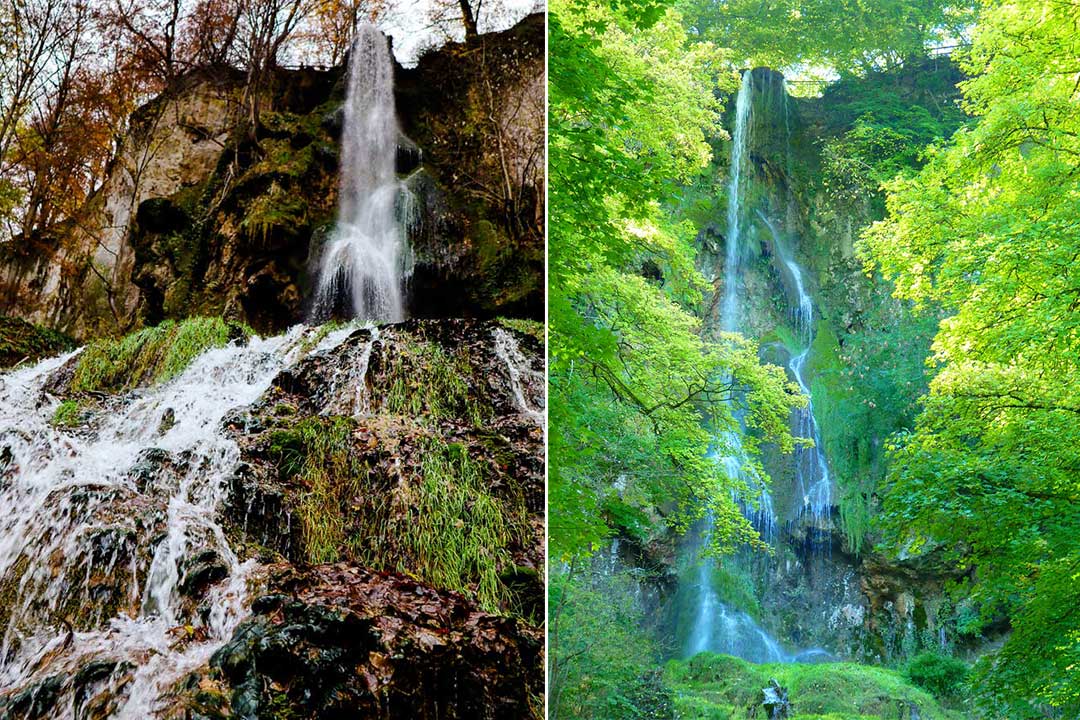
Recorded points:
(719, 687)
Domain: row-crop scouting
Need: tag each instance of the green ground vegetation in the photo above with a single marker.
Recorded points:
(720, 687)
(441, 524)
(152, 355)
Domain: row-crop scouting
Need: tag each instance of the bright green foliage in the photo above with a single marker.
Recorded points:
(885, 122)
(448, 529)
(637, 397)
(605, 656)
(152, 355)
(67, 414)
(940, 674)
(848, 35)
(719, 687)
(989, 229)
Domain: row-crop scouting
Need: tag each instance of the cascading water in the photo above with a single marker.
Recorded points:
(105, 529)
(363, 269)
(521, 375)
(811, 466)
(715, 626)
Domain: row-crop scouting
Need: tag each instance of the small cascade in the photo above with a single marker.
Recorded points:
(111, 549)
(811, 466)
(363, 268)
(348, 393)
(526, 384)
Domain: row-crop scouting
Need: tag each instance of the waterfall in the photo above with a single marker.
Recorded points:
(740, 140)
(715, 626)
(106, 526)
(362, 270)
(736, 632)
(811, 466)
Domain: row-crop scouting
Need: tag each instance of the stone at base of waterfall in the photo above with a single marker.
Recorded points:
(337, 641)
(775, 701)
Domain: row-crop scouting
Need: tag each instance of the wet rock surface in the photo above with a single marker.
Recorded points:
(337, 641)
(289, 590)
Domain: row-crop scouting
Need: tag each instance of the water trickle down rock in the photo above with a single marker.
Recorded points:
(129, 559)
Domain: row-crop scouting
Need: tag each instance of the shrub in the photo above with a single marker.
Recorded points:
(940, 674)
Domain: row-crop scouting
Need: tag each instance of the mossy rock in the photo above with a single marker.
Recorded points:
(719, 686)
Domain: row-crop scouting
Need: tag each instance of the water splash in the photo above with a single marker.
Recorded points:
(105, 523)
(367, 260)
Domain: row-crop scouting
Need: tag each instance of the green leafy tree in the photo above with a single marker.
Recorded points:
(846, 35)
(989, 230)
(638, 397)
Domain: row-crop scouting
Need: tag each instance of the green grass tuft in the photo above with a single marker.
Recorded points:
(152, 355)
(67, 415)
(523, 326)
(422, 378)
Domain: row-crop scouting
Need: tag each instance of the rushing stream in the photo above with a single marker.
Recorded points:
(105, 523)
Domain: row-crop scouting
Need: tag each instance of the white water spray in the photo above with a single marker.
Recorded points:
(97, 541)
(367, 261)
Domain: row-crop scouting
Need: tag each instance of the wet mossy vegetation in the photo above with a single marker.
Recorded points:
(152, 355)
(720, 687)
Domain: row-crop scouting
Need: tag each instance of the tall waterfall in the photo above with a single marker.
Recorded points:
(362, 270)
(715, 626)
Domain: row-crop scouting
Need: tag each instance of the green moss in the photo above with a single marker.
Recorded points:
(151, 355)
(523, 326)
(67, 415)
(717, 686)
(275, 208)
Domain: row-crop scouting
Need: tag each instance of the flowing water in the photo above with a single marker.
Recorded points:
(715, 626)
(521, 375)
(811, 466)
(104, 524)
(364, 266)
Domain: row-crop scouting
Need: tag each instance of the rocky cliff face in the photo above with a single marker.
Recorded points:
(196, 218)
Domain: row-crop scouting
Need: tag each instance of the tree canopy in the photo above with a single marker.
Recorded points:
(990, 230)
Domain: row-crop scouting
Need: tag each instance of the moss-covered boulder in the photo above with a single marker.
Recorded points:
(720, 687)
